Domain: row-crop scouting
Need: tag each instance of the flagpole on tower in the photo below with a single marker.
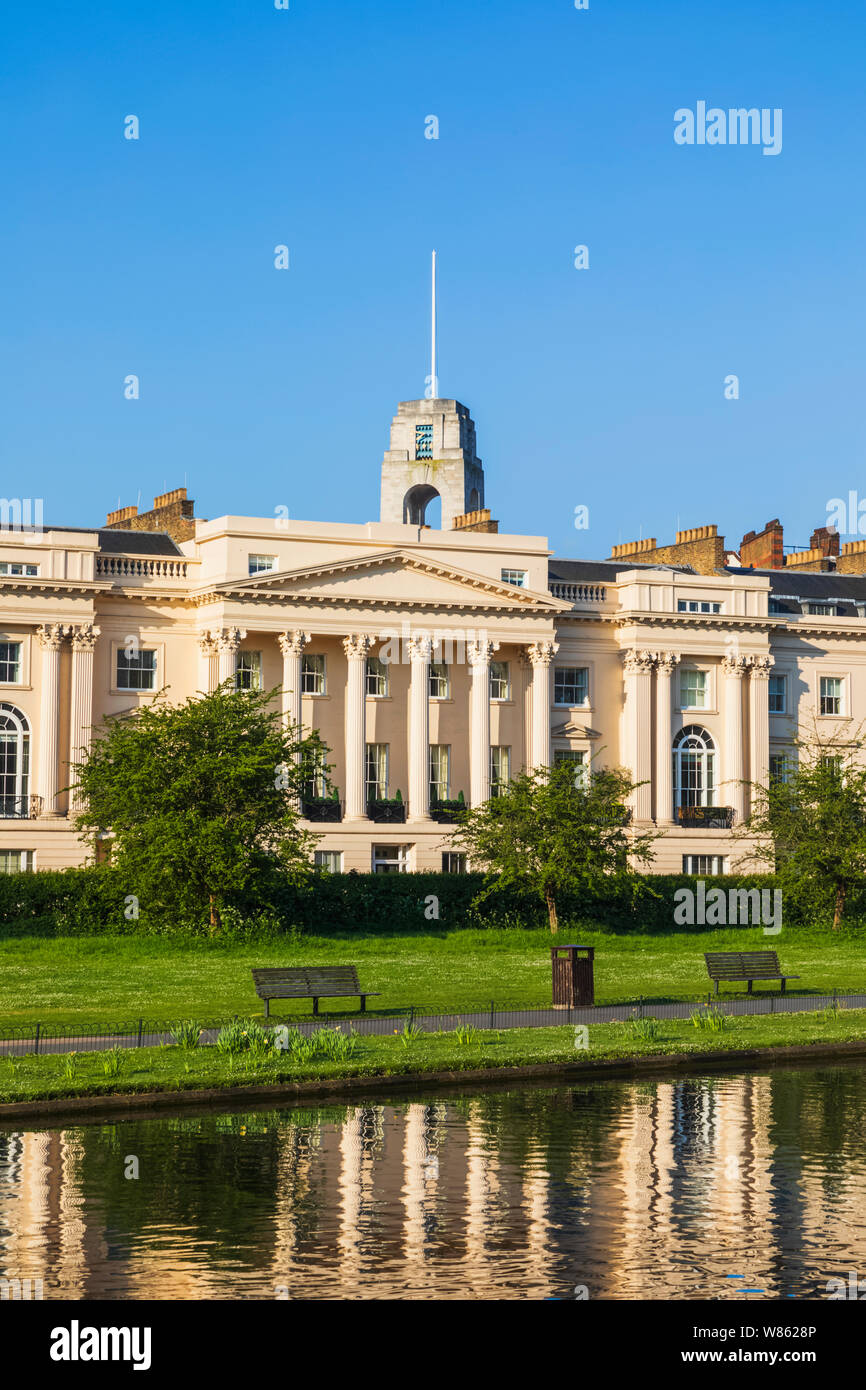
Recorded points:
(434, 385)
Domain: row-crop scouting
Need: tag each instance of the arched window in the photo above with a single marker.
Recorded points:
(694, 767)
(14, 761)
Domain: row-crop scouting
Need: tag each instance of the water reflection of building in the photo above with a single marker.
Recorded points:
(645, 1190)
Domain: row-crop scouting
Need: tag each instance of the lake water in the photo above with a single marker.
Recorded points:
(700, 1187)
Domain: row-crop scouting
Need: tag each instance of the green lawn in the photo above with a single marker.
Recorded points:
(89, 980)
(175, 1069)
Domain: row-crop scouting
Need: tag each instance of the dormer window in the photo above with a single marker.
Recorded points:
(18, 569)
(821, 610)
(424, 441)
(694, 605)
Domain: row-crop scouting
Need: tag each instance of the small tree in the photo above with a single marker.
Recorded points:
(201, 800)
(810, 823)
(556, 832)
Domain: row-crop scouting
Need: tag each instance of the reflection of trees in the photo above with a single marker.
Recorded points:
(824, 1109)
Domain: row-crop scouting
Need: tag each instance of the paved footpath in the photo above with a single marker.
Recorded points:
(737, 1006)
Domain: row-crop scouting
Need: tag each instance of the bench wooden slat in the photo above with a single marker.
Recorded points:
(736, 966)
(309, 982)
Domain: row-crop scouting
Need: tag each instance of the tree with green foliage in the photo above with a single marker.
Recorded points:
(809, 823)
(200, 801)
(556, 831)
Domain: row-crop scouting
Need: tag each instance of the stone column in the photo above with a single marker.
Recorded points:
(478, 652)
(759, 720)
(734, 668)
(638, 735)
(228, 644)
(207, 649)
(292, 647)
(666, 664)
(356, 648)
(541, 654)
(81, 719)
(420, 649)
(50, 638)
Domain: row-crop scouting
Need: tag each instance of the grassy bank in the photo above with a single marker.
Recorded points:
(177, 1069)
(77, 981)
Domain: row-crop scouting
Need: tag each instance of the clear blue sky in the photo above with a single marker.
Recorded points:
(601, 387)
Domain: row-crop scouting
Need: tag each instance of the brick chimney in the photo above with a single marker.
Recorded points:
(172, 512)
(763, 550)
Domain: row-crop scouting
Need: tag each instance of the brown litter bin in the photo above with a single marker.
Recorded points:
(572, 968)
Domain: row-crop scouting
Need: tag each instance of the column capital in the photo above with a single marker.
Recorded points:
(230, 638)
(542, 653)
(636, 659)
(735, 665)
(207, 644)
(293, 643)
(358, 645)
(479, 651)
(50, 636)
(419, 648)
(84, 637)
(666, 661)
(760, 667)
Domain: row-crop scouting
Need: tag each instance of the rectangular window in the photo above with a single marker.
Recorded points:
(777, 606)
(500, 688)
(312, 675)
(439, 687)
(778, 695)
(330, 859)
(778, 764)
(136, 670)
(248, 671)
(316, 784)
(13, 567)
(16, 861)
(262, 564)
(454, 863)
(831, 695)
(518, 578)
(377, 677)
(424, 441)
(377, 772)
(440, 771)
(708, 864)
(390, 859)
(571, 685)
(579, 759)
(693, 689)
(692, 605)
(821, 610)
(500, 769)
(10, 663)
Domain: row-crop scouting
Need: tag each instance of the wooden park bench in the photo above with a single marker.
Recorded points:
(745, 965)
(310, 982)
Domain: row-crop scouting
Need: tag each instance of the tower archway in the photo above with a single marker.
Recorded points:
(416, 502)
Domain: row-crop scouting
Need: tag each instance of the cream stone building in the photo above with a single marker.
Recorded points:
(434, 662)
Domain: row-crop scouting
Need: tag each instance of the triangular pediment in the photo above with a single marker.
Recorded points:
(569, 728)
(397, 577)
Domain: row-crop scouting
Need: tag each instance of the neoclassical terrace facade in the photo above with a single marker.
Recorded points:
(435, 662)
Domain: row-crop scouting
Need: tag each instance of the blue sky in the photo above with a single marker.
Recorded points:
(266, 388)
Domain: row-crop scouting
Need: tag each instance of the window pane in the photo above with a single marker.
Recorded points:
(571, 685)
(136, 670)
(499, 680)
(377, 771)
(776, 695)
(438, 680)
(10, 662)
(377, 676)
(500, 762)
(693, 689)
(440, 758)
(831, 695)
(261, 564)
(313, 675)
(248, 671)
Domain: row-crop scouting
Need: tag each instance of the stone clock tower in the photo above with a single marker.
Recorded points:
(432, 454)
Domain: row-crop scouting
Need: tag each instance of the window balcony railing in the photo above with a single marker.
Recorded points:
(20, 807)
(390, 812)
(705, 817)
(322, 808)
(577, 593)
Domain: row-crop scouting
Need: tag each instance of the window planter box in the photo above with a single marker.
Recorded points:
(387, 812)
(447, 812)
(322, 808)
(705, 817)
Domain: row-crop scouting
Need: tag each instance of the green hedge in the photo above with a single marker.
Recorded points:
(94, 901)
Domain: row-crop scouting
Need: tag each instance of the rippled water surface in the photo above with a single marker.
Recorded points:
(698, 1188)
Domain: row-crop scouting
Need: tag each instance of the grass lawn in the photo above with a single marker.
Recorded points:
(177, 1069)
(99, 980)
